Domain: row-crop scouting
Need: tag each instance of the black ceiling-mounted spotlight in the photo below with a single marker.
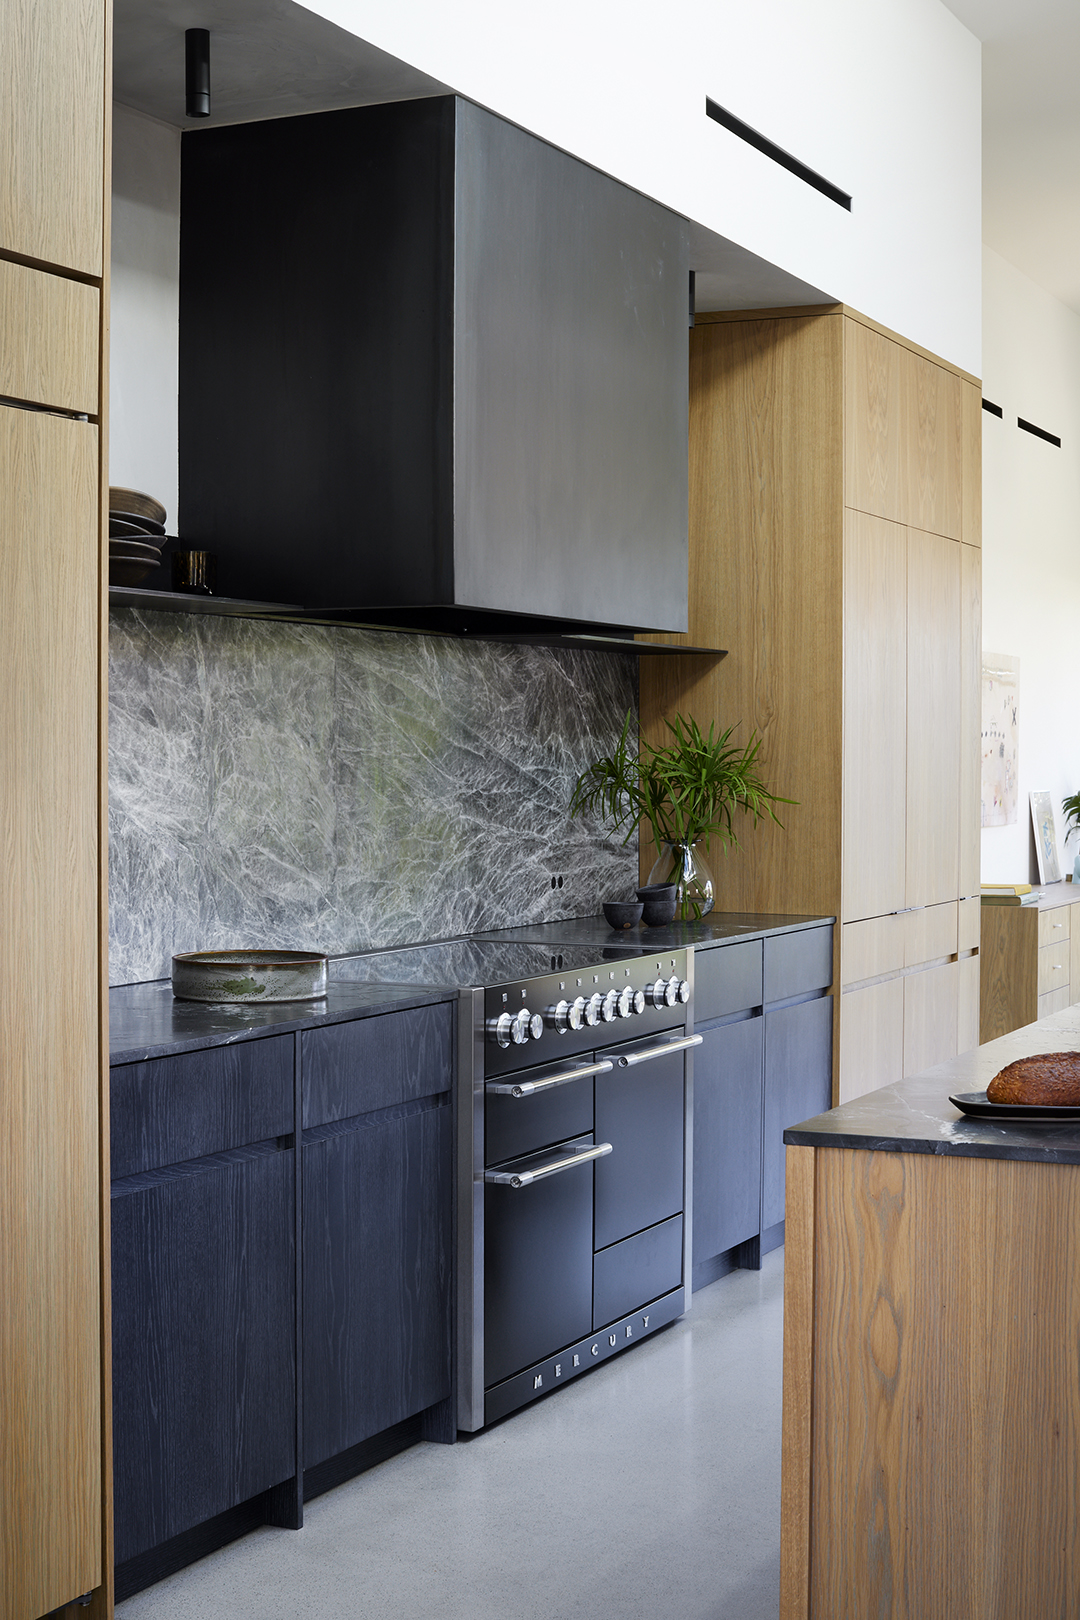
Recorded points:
(197, 44)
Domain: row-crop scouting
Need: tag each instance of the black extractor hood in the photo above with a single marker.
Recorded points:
(433, 375)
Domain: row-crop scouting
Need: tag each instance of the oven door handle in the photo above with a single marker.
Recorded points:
(524, 1178)
(628, 1059)
(529, 1088)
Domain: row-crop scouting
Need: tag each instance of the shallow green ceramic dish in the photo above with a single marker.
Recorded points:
(250, 976)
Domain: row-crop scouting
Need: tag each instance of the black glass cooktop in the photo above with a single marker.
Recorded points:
(460, 963)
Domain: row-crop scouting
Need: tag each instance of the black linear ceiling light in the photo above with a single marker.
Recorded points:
(197, 48)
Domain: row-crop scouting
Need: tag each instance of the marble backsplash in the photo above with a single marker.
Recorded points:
(323, 788)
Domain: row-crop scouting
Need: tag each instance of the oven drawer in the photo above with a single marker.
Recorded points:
(538, 1261)
(640, 1111)
(639, 1269)
(519, 1119)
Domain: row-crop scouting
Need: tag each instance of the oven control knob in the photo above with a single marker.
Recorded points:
(684, 991)
(577, 1013)
(536, 1026)
(610, 1008)
(626, 1001)
(521, 1027)
(639, 1001)
(592, 1010)
(657, 993)
(500, 1028)
(560, 1017)
(671, 991)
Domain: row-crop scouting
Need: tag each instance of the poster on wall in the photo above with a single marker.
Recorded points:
(1000, 739)
(1046, 850)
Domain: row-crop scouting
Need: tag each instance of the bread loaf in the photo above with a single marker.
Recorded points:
(1047, 1078)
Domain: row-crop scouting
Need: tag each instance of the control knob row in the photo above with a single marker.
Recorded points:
(586, 1012)
(666, 992)
(517, 1028)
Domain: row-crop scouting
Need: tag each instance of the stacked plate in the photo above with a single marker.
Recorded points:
(136, 535)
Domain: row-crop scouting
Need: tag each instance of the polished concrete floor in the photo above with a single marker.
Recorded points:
(651, 1487)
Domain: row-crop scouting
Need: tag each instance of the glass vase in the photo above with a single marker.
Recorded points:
(686, 866)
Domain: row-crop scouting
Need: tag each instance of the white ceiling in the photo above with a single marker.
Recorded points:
(1031, 135)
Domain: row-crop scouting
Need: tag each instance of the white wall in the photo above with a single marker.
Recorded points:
(145, 305)
(882, 98)
(1031, 543)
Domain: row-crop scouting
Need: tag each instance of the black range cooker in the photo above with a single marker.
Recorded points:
(574, 1161)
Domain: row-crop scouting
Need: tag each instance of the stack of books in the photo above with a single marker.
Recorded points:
(1010, 894)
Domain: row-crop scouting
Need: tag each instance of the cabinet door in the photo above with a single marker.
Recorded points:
(798, 1083)
(204, 1366)
(875, 708)
(933, 719)
(871, 1038)
(640, 1111)
(376, 1269)
(52, 76)
(50, 1191)
(727, 1137)
(970, 717)
(931, 1016)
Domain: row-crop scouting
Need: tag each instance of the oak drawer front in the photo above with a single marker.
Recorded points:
(172, 1109)
(969, 924)
(1054, 1001)
(49, 343)
(1054, 925)
(1054, 967)
(872, 948)
(371, 1063)
(727, 979)
(798, 962)
(930, 934)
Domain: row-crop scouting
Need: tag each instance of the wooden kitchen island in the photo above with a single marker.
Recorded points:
(931, 1460)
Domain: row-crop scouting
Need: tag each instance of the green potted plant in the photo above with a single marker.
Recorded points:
(1071, 807)
(688, 792)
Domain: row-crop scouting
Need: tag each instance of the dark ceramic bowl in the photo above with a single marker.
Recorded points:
(623, 913)
(657, 912)
(657, 891)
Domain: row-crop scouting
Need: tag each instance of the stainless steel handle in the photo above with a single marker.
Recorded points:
(628, 1059)
(523, 1178)
(529, 1088)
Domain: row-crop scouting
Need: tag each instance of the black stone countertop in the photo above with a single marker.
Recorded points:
(146, 1022)
(718, 928)
(916, 1115)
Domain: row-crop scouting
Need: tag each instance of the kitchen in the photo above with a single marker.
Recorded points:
(145, 918)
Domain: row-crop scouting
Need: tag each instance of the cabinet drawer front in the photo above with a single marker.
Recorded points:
(727, 979)
(376, 1062)
(636, 1271)
(798, 962)
(930, 934)
(872, 948)
(1054, 1001)
(1054, 925)
(1054, 967)
(175, 1108)
(49, 349)
(968, 924)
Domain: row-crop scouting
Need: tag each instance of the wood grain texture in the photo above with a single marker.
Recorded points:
(933, 719)
(1054, 1001)
(50, 1266)
(971, 431)
(931, 446)
(1008, 970)
(970, 760)
(48, 339)
(376, 1278)
(1074, 958)
(765, 582)
(796, 1480)
(871, 1038)
(930, 933)
(1054, 967)
(967, 1022)
(931, 1016)
(193, 1103)
(969, 919)
(872, 427)
(946, 1396)
(801, 311)
(353, 1068)
(873, 947)
(875, 716)
(52, 90)
(203, 1341)
(1054, 925)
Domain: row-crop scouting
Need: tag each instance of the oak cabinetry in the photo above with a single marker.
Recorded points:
(834, 550)
(1030, 960)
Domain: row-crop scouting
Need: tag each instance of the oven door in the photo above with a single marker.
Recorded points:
(538, 1254)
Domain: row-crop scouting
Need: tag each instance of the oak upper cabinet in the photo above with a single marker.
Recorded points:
(52, 180)
(834, 528)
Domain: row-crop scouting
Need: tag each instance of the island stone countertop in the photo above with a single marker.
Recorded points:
(916, 1116)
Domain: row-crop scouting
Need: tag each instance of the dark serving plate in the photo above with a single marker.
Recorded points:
(976, 1104)
(143, 525)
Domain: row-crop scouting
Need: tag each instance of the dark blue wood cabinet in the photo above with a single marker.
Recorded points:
(727, 1137)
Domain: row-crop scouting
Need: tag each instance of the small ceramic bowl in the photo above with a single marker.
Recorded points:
(659, 901)
(623, 913)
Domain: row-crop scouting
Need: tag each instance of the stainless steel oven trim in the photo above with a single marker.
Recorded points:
(626, 1060)
(525, 1178)
(529, 1088)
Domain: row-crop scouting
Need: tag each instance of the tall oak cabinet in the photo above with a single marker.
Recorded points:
(54, 1386)
(835, 529)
